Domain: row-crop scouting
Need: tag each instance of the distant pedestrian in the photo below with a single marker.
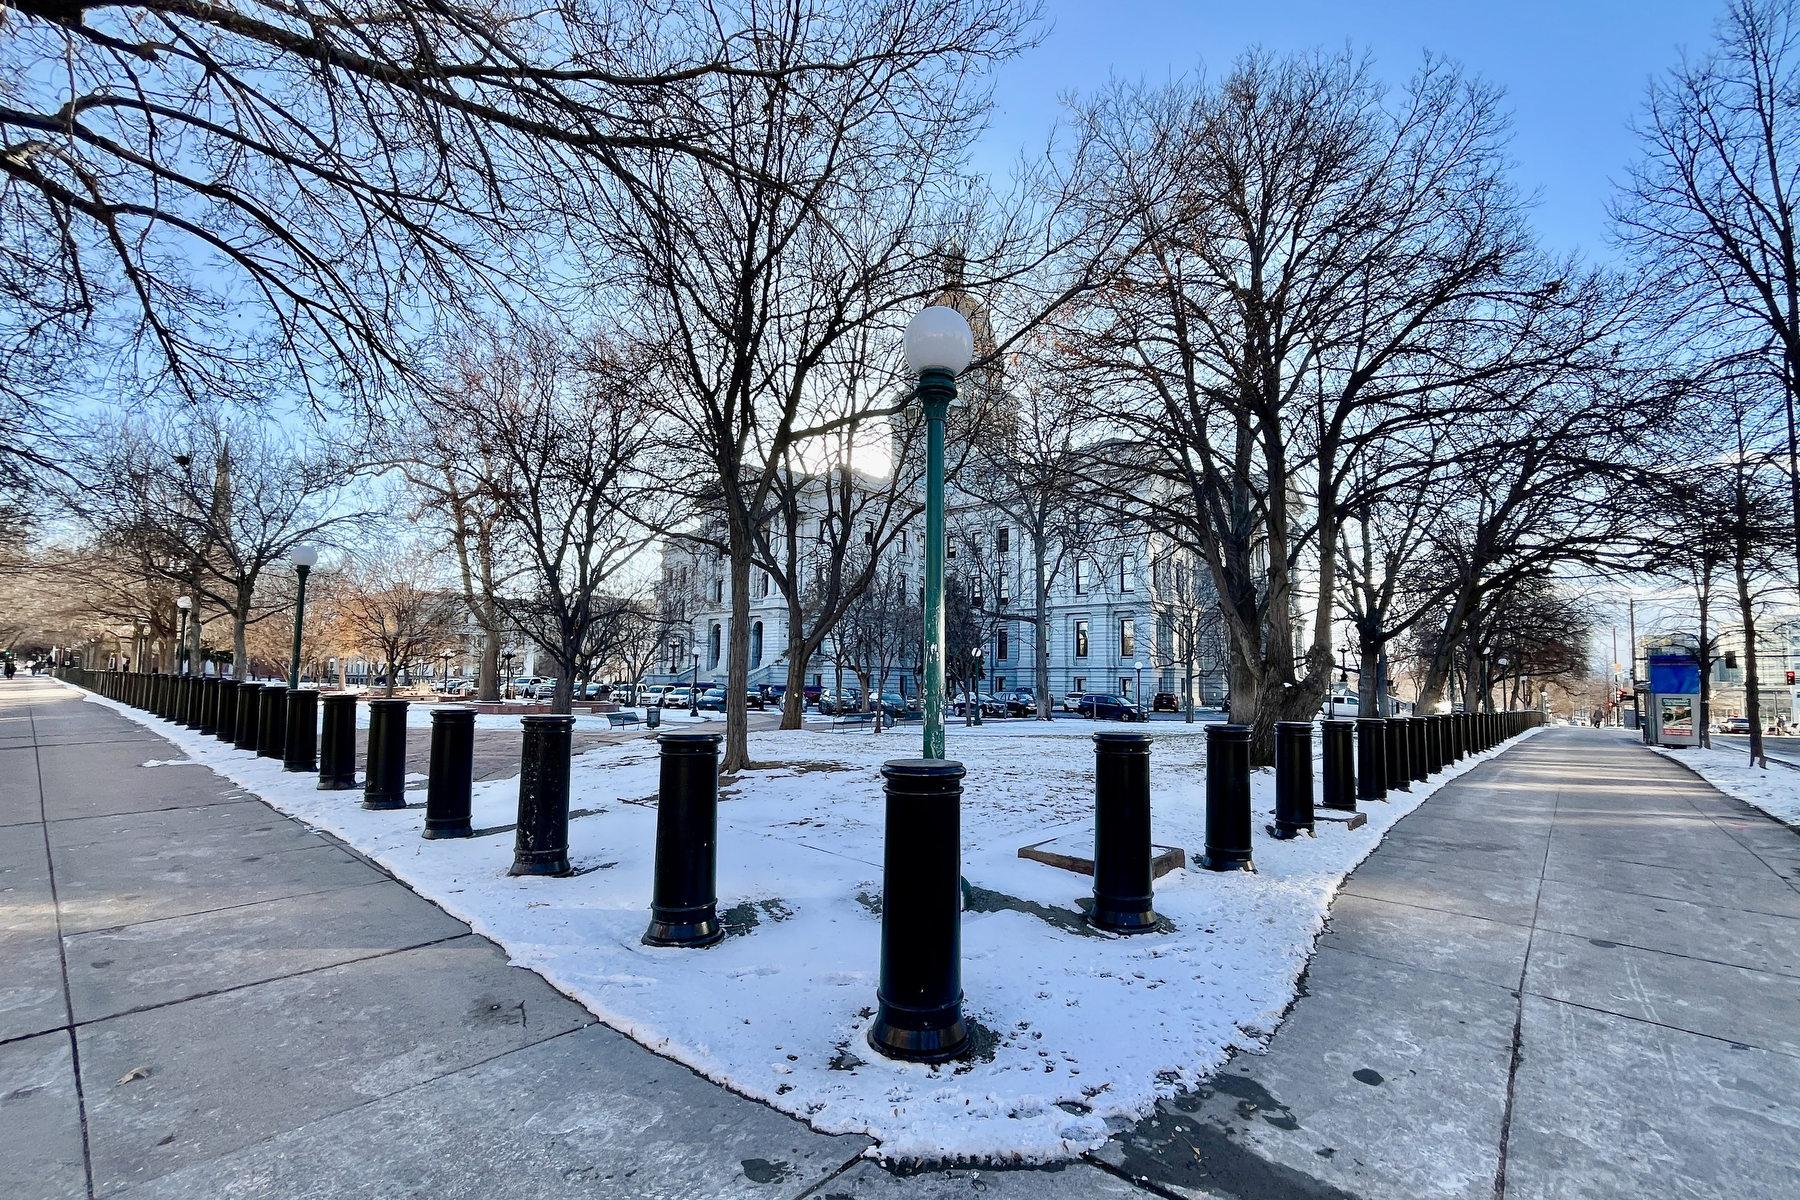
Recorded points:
(10, 668)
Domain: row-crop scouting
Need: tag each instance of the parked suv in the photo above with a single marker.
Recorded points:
(1106, 706)
(1165, 702)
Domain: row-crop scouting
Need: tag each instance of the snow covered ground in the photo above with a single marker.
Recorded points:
(1078, 1032)
(1776, 790)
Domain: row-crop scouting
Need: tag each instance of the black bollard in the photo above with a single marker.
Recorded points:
(1293, 780)
(248, 708)
(337, 743)
(1440, 729)
(452, 772)
(1371, 772)
(919, 1002)
(209, 705)
(1339, 790)
(1416, 767)
(271, 723)
(194, 702)
(301, 743)
(225, 711)
(158, 684)
(541, 846)
(1122, 877)
(384, 779)
(1227, 799)
(684, 897)
(1397, 757)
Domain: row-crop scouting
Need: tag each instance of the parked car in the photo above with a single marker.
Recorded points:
(712, 700)
(1107, 706)
(678, 697)
(1165, 702)
(989, 704)
(1340, 705)
(1020, 702)
(1071, 701)
(831, 703)
(1735, 725)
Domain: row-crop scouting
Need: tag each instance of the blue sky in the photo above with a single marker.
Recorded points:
(1574, 72)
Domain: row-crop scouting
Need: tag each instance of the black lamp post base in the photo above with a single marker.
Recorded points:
(1123, 920)
(337, 785)
(1227, 860)
(383, 805)
(1287, 833)
(693, 935)
(448, 831)
(547, 867)
(936, 1044)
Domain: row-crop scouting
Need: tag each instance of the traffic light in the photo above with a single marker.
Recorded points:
(1790, 678)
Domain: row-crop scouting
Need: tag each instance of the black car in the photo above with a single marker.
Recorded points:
(1165, 702)
(1019, 703)
(1104, 706)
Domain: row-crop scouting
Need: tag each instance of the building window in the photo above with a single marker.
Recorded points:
(1081, 576)
(1080, 683)
(903, 541)
(1003, 541)
(756, 640)
(712, 648)
(1125, 686)
(1081, 639)
(718, 589)
(1004, 645)
(1127, 569)
(1004, 592)
(762, 584)
(1127, 638)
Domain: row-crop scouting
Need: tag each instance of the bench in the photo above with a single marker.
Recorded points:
(616, 719)
(856, 718)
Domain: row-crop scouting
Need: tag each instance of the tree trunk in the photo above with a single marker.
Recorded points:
(737, 660)
(793, 701)
(240, 664)
(1752, 702)
(1040, 630)
(487, 684)
(1705, 656)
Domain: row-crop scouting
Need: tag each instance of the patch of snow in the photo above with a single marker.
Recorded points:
(1775, 789)
(170, 762)
(780, 1010)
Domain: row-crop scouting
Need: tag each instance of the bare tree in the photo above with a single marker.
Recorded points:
(163, 163)
(392, 618)
(879, 632)
(564, 441)
(1316, 263)
(761, 295)
(211, 503)
(1711, 207)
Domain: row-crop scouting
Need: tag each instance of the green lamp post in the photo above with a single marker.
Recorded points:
(938, 346)
(919, 1000)
(303, 558)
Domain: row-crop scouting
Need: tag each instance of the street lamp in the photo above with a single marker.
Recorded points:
(938, 346)
(694, 689)
(303, 557)
(506, 657)
(447, 656)
(975, 697)
(181, 655)
(1501, 662)
(1138, 698)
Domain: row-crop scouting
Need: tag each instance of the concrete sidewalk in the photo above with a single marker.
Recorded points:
(1572, 973)
(1575, 972)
